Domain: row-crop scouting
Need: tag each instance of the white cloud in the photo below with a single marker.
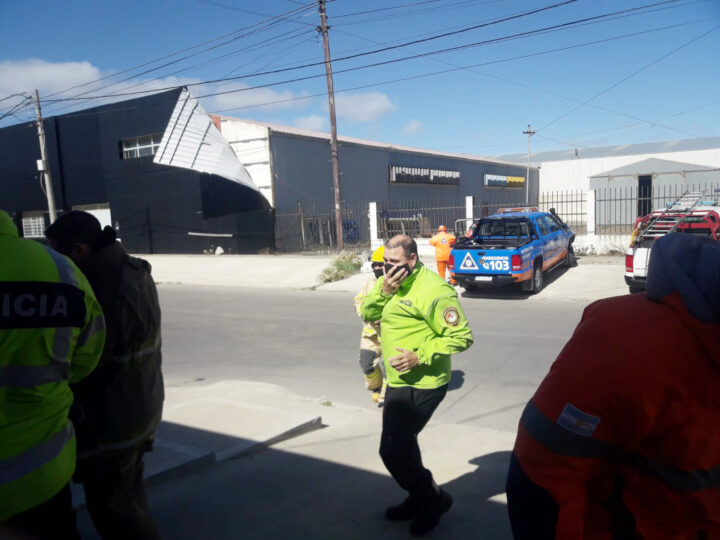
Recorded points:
(50, 77)
(363, 107)
(47, 77)
(412, 127)
(314, 122)
(264, 99)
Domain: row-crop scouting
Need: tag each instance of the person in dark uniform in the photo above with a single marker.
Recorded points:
(119, 406)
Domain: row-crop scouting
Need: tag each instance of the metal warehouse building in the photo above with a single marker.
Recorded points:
(173, 179)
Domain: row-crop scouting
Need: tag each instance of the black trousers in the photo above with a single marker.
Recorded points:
(53, 519)
(115, 495)
(405, 413)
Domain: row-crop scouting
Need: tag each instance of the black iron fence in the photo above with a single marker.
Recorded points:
(616, 209)
(571, 206)
(312, 228)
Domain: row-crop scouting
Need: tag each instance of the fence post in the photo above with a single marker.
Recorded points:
(302, 226)
(469, 203)
(590, 211)
(372, 216)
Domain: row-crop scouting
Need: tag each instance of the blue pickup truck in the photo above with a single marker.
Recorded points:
(516, 245)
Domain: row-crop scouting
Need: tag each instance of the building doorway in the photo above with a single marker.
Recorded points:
(644, 200)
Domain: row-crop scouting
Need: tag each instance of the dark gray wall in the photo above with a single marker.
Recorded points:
(154, 206)
(302, 173)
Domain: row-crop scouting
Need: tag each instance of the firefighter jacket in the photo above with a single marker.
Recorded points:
(443, 244)
(422, 316)
(370, 338)
(622, 437)
(52, 333)
(120, 403)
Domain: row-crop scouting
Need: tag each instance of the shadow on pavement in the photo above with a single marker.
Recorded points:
(514, 291)
(457, 378)
(278, 494)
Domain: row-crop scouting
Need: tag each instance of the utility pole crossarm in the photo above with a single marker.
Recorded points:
(323, 29)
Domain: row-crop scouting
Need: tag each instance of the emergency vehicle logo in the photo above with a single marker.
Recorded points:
(577, 421)
(451, 316)
(468, 263)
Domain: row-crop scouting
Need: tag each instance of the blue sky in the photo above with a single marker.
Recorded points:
(651, 74)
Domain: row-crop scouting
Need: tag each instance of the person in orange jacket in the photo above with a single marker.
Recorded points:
(621, 439)
(442, 242)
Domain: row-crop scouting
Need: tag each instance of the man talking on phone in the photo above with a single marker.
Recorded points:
(423, 325)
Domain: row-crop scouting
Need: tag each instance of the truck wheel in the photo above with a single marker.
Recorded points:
(570, 260)
(537, 279)
(535, 283)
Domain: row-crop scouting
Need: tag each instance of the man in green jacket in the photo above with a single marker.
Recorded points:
(119, 406)
(52, 333)
(423, 325)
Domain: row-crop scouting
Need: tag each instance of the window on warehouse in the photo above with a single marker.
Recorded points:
(138, 147)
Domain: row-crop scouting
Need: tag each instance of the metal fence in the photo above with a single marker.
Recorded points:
(419, 218)
(616, 209)
(311, 228)
(571, 206)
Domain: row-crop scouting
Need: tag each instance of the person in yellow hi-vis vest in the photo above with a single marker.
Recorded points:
(442, 242)
(52, 333)
(370, 347)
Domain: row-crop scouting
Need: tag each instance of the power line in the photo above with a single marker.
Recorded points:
(287, 14)
(630, 76)
(315, 64)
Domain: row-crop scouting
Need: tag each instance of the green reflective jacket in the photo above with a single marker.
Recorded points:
(423, 316)
(52, 333)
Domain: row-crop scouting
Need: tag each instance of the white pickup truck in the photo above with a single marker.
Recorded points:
(701, 218)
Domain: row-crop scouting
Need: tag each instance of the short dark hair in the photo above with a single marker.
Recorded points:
(401, 240)
(75, 227)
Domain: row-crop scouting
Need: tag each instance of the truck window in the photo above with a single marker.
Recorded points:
(552, 223)
(542, 226)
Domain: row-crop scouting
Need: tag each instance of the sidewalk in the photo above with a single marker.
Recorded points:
(328, 484)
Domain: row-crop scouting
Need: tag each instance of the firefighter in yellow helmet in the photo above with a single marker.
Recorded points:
(370, 348)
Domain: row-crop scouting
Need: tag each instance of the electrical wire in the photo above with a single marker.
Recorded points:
(643, 68)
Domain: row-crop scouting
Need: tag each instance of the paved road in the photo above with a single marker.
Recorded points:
(307, 341)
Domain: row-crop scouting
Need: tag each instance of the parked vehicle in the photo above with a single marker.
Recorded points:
(693, 213)
(516, 245)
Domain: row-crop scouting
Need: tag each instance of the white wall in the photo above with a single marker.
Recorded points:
(574, 174)
(251, 143)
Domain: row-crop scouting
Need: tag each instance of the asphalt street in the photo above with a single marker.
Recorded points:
(307, 341)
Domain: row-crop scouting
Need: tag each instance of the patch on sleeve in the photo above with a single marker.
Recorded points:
(451, 316)
(580, 423)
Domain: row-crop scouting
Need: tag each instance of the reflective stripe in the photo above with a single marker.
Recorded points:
(560, 440)
(66, 273)
(120, 445)
(676, 478)
(30, 460)
(95, 326)
(136, 355)
(63, 335)
(31, 376)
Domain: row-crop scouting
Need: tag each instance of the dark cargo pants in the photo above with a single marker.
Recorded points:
(405, 414)
(115, 494)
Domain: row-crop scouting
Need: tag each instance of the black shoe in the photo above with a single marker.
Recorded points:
(428, 518)
(403, 511)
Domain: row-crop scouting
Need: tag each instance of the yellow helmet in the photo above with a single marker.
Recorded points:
(377, 255)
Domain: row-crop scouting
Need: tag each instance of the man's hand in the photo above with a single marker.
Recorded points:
(404, 361)
(393, 280)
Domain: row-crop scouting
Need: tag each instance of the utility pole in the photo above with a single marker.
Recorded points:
(323, 29)
(529, 132)
(43, 165)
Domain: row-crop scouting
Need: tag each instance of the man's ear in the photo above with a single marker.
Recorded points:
(413, 260)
